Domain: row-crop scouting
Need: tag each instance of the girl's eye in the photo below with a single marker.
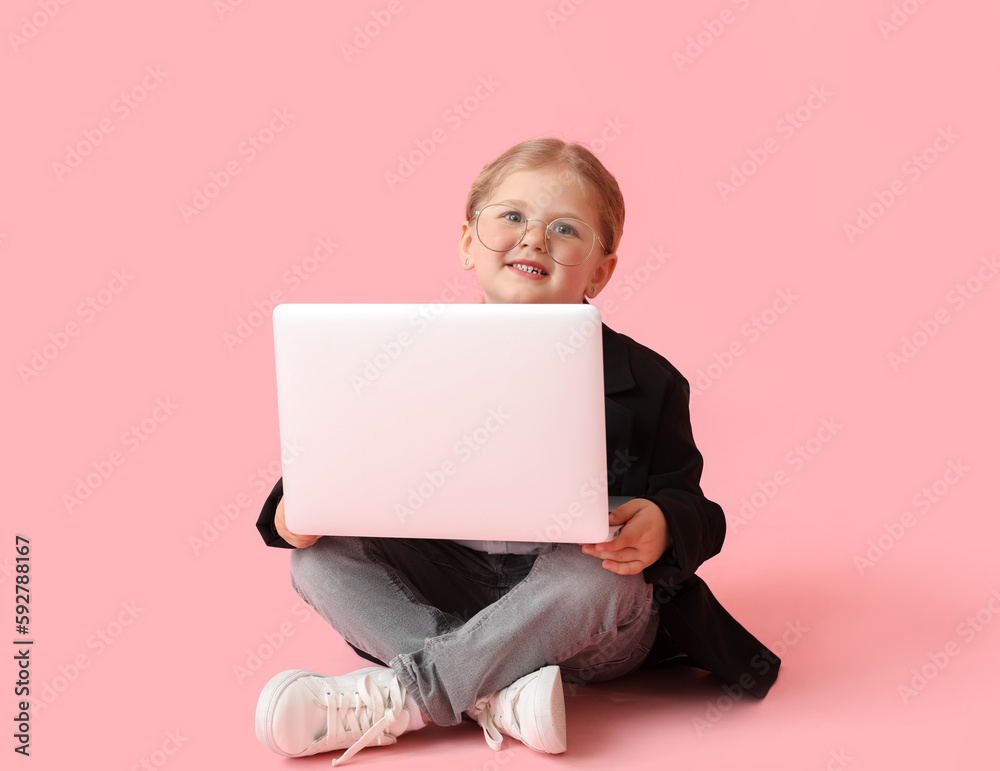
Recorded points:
(512, 215)
(564, 229)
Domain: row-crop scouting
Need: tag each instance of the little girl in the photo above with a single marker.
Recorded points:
(488, 629)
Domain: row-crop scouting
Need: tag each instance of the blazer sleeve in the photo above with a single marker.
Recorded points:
(696, 524)
(265, 522)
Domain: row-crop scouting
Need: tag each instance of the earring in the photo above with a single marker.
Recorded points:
(592, 290)
(466, 260)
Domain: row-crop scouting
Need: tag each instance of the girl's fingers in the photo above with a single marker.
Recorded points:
(618, 555)
(622, 568)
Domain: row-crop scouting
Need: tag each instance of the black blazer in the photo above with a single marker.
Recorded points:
(652, 454)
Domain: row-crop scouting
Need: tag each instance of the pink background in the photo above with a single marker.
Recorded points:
(165, 686)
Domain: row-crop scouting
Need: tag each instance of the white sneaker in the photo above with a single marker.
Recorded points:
(530, 710)
(303, 713)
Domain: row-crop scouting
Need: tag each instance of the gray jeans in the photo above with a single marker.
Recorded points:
(457, 624)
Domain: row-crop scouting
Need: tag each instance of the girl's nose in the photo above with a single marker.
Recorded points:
(534, 235)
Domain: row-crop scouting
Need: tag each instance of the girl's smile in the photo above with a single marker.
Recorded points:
(529, 268)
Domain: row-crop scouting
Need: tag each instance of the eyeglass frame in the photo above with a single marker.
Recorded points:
(597, 238)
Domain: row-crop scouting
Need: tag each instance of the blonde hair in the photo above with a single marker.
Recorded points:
(579, 165)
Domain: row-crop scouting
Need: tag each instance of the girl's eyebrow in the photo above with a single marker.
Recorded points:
(523, 204)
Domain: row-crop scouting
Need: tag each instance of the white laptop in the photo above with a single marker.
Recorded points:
(459, 421)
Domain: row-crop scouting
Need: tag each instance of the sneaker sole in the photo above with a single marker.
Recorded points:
(550, 710)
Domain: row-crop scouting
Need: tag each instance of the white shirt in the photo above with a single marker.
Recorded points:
(507, 547)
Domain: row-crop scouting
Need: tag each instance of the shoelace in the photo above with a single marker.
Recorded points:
(364, 714)
(503, 718)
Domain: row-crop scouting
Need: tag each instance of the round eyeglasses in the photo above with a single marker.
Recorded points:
(568, 241)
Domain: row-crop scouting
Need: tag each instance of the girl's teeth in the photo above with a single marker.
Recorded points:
(526, 269)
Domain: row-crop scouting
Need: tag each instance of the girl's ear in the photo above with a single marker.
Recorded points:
(602, 273)
(465, 247)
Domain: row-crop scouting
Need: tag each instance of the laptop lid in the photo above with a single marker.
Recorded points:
(443, 421)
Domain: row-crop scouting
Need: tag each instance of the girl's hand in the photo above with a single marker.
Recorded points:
(298, 541)
(641, 541)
